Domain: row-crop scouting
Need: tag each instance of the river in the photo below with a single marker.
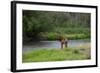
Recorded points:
(51, 44)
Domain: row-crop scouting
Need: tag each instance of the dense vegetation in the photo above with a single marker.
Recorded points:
(48, 25)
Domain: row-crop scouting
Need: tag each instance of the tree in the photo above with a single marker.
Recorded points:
(35, 22)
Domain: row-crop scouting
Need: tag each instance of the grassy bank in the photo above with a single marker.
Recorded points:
(69, 33)
(54, 36)
(57, 55)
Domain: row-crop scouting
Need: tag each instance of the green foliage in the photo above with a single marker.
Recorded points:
(72, 30)
(37, 22)
(55, 36)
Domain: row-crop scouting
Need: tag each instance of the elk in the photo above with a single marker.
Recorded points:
(63, 41)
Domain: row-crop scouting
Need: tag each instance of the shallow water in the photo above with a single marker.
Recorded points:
(51, 44)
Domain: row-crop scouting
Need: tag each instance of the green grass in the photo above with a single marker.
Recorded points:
(54, 55)
(54, 36)
(72, 30)
(70, 33)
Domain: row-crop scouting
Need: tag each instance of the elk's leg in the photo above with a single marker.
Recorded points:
(66, 43)
(62, 45)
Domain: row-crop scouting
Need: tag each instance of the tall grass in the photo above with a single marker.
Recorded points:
(56, 55)
(69, 33)
(54, 36)
(74, 30)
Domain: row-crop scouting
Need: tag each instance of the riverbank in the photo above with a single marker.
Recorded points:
(68, 33)
(55, 36)
(80, 53)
